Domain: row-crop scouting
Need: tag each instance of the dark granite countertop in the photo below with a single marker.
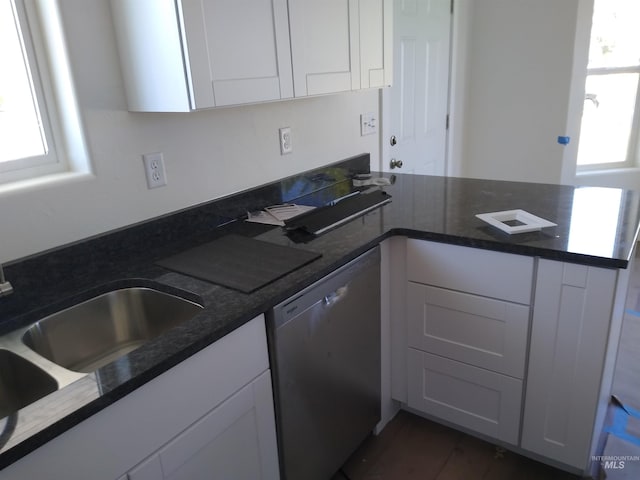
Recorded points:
(596, 227)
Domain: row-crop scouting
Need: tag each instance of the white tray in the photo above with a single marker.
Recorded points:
(526, 221)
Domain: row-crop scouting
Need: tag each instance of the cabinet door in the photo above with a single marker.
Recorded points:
(181, 55)
(235, 440)
(484, 332)
(376, 43)
(238, 51)
(151, 55)
(324, 46)
(474, 398)
(569, 333)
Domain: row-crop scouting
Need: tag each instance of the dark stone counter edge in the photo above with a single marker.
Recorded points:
(526, 250)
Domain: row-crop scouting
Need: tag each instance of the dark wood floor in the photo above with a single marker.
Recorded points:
(412, 448)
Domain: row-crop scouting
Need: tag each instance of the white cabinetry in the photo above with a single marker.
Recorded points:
(235, 440)
(467, 328)
(480, 331)
(324, 46)
(376, 43)
(182, 55)
(573, 344)
(468, 317)
(340, 45)
(465, 395)
(211, 416)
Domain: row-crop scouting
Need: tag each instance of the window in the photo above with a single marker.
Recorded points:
(609, 128)
(36, 137)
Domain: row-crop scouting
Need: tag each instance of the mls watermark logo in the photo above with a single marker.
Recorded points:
(615, 462)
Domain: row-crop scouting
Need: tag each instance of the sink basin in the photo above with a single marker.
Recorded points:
(96, 332)
(21, 383)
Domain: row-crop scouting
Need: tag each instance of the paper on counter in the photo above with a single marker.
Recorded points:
(277, 214)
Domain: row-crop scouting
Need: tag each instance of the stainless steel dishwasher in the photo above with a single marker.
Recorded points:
(325, 354)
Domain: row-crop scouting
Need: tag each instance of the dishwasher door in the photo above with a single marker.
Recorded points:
(325, 354)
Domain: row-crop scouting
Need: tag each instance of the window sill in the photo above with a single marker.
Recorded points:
(608, 171)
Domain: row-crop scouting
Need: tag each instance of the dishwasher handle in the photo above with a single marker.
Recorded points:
(335, 296)
(327, 291)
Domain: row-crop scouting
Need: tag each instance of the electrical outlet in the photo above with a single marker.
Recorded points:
(285, 141)
(368, 124)
(154, 169)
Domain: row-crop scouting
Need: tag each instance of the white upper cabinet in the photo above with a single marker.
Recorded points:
(325, 41)
(238, 50)
(340, 45)
(376, 43)
(182, 55)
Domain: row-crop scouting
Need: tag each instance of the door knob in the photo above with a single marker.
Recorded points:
(393, 140)
(395, 163)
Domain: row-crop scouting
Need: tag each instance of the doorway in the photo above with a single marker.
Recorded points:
(415, 108)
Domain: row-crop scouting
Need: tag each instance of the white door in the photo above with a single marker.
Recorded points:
(415, 108)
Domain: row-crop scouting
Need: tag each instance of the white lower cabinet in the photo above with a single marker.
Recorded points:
(467, 355)
(480, 331)
(573, 346)
(235, 440)
(472, 397)
(211, 416)
(466, 359)
(467, 324)
(184, 55)
(490, 274)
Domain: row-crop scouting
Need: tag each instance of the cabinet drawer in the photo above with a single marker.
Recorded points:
(481, 331)
(474, 398)
(482, 272)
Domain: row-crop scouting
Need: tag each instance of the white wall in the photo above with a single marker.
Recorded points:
(518, 76)
(207, 154)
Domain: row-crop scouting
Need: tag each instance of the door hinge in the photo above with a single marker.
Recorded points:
(452, 7)
(446, 125)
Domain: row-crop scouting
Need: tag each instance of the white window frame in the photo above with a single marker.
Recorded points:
(45, 48)
(632, 159)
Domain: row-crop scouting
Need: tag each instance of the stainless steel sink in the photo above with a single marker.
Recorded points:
(96, 332)
(21, 383)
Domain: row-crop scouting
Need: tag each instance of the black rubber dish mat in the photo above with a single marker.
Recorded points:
(238, 262)
(325, 218)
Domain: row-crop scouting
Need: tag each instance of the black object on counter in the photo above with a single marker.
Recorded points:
(238, 262)
(325, 218)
